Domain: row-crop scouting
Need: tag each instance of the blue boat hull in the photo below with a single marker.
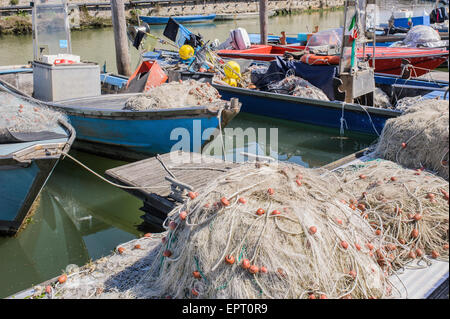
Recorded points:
(310, 112)
(132, 139)
(180, 19)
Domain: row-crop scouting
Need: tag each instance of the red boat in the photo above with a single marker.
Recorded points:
(387, 60)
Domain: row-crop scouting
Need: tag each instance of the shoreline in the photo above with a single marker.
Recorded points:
(82, 17)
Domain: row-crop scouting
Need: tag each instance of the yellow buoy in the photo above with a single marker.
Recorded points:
(232, 70)
(186, 52)
(231, 82)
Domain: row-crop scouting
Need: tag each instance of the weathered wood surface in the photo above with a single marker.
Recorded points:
(188, 168)
(120, 37)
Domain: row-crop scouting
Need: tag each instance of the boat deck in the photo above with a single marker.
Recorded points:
(193, 169)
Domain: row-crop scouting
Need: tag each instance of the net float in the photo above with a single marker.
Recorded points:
(339, 221)
(393, 178)
(445, 247)
(271, 191)
(362, 207)
(312, 230)
(242, 200)
(263, 270)
(62, 279)
(196, 274)
(253, 269)
(378, 232)
(419, 252)
(415, 233)
(120, 250)
(224, 201)
(435, 254)
(172, 225)
(358, 247)
(370, 246)
(229, 259)
(352, 206)
(352, 273)
(137, 246)
(323, 296)
(417, 217)
(430, 196)
(48, 289)
(362, 176)
(260, 211)
(403, 145)
(311, 296)
(194, 292)
(245, 264)
(299, 183)
(163, 240)
(402, 241)
(192, 195)
(412, 255)
(344, 244)
(148, 235)
(183, 215)
(276, 212)
(167, 253)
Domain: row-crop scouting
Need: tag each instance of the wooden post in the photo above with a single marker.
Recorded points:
(263, 20)
(120, 37)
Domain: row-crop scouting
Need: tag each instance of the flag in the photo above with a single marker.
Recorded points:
(353, 28)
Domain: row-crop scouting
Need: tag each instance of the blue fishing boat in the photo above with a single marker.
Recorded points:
(182, 19)
(26, 162)
(105, 128)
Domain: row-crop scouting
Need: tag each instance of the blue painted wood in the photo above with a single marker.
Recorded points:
(181, 19)
(310, 111)
(147, 137)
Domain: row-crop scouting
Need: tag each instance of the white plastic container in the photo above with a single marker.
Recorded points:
(240, 39)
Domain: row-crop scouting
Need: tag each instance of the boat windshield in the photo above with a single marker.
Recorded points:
(325, 39)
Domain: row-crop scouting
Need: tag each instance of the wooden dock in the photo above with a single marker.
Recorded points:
(189, 171)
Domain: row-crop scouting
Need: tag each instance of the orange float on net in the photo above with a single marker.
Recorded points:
(344, 244)
(148, 235)
(403, 145)
(339, 221)
(271, 191)
(192, 195)
(312, 296)
(183, 215)
(323, 296)
(137, 246)
(412, 255)
(196, 274)
(263, 269)
(299, 183)
(361, 207)
(62, 279)
(419, 252)
(415, 233)
(276, 212)
(48, 289)
(229, 259)
(312, 230)
(253, 269)
(242, 200)
(352, 273)
(369, 246)
(417, 217)
(362, 176)
(313, 59)
(435, 254)
(260, 212)
(245, 264)
(393, 178)
(121, 250)
(225, 201)
(167, 253)
(358, 247)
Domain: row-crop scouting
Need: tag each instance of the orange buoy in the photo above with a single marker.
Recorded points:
(224, 201)
(313, 59)
(229, 259)
(417, 217)
(312, 230)
(339, 221)
(344, 244)
(245, 263)
(260, 212)
(299, 183)
(435, 254)
(242, 200)
(192, 195)
(137, 246)
(62, 279)
(312, 296)
(358, 247)
(253, 269)
(263, 269)
(167, 253)
(362, 176)
(412, 255)
(197, 274)
(393, 178)
(121, 250)
(361, 207)
(276, 212)
(403, 145)
(271, 191)
(378, 232)
(415, 233)
(183, 215)
(323, 296)
(48, 289)
(370, 246)
(419, 252)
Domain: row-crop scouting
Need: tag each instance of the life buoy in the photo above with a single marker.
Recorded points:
(313, 59)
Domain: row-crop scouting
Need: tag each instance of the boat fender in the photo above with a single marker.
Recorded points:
(313, 59)
(240, 39)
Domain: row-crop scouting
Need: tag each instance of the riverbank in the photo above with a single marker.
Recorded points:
(17, 19)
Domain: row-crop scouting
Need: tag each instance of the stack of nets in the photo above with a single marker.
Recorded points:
(419, 138)
(296, 86)
(405, 103)
(407, 209)
(174, 95)
(17, 115)
(266, 231)
(381, 99)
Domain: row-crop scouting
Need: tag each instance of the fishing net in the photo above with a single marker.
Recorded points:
(265, 231)
(381, 99)
(20, 116)
(174, 95)
(419, 138)
(404, 103)
(408, 210)
(423, 36)
(296, 86)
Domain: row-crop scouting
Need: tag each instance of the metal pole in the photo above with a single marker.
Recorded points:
(120, 37)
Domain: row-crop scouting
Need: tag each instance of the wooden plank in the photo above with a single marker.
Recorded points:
(345, 160)
(193, 169)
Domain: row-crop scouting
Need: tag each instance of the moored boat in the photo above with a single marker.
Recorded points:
(27, 160)
(182, 19)
(387, 60)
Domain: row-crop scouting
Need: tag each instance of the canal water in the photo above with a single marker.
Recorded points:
(80, 218)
